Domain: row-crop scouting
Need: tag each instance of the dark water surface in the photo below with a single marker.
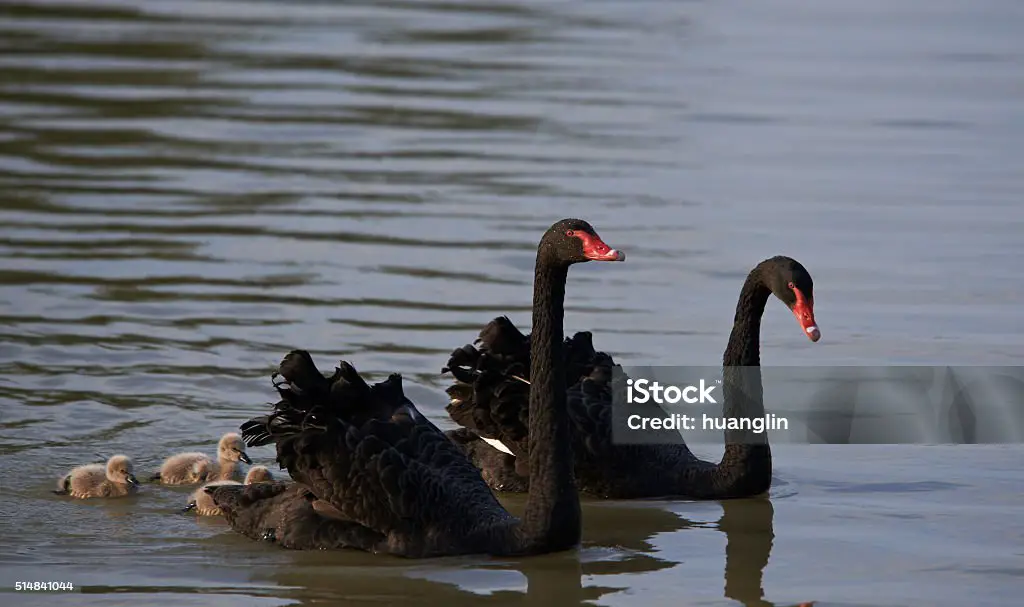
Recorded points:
(190, 189)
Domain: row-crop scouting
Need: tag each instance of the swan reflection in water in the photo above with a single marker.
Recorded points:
(749, 531)
(618, 541)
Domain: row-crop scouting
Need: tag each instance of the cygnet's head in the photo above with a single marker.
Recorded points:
(258, 474)
(232, 449)
(120, 470)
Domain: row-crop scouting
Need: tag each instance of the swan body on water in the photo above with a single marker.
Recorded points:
(372, 473)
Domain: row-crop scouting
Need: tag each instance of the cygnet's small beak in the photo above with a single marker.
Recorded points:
(245, 458)
(132, 480)
(191, 506)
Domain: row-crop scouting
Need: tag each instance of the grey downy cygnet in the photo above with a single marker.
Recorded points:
(113, 479)
(194, 467)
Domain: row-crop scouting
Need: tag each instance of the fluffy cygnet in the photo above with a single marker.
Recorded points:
(115, 479)
(202, 502)
(193, 467)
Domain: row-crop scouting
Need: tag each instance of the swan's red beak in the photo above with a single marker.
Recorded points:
(595, 249)
(803, 309)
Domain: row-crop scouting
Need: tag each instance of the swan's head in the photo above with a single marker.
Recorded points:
(574, 241)
(792, 284)
(231, 448)
(120, 470)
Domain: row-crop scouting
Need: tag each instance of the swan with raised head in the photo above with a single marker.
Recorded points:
(489, 400)
(372, 473)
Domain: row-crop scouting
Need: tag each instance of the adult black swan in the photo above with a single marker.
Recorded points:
(374, 474)
(490, 392)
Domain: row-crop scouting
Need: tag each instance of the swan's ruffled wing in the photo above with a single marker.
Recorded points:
(369, 453)
(491, 392)
(490, 395)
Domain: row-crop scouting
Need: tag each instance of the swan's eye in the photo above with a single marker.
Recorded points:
(792, 286)
(570, 233)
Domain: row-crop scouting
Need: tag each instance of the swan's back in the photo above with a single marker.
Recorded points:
(491, 400)
(380, 465)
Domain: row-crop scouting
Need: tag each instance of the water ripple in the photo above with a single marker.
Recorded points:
(190, 189)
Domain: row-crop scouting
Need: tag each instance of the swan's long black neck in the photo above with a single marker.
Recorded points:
(744, 347)
(746, 466)
(552, 517)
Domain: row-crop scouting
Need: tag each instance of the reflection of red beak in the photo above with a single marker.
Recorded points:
(595, 249)
(803, 309)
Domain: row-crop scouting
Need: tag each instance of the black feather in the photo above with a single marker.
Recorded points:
(389, 477)
(491, 392)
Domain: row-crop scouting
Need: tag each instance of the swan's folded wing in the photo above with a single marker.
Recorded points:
(590, 412)
(497, 467)
(602, 465)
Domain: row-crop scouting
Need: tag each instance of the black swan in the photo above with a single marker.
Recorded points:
(490, 391)
(374, 474)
